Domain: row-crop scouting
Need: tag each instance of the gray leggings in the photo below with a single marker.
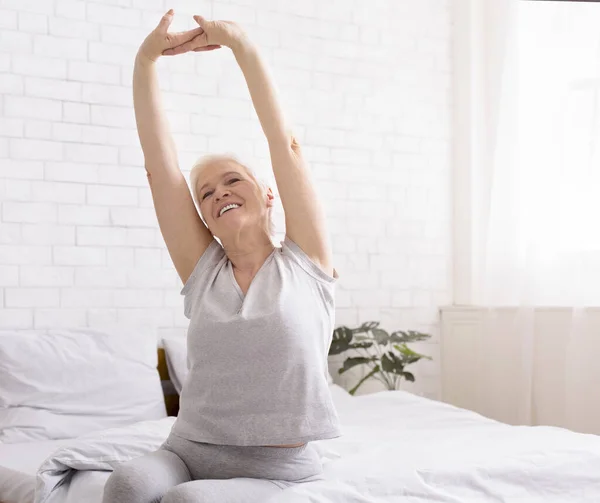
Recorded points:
(182, 471)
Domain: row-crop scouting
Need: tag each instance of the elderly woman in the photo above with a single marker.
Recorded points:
(261, 317)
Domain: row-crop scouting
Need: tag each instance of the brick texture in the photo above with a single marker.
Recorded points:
(366, 86)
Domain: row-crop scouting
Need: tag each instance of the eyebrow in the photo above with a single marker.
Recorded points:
(225, 175)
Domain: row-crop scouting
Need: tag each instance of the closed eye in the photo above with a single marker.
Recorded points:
(206, 194)
(232, 181)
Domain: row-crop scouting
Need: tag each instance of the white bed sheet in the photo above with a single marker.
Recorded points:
(396, 448)
(19, 463)
(85, 487)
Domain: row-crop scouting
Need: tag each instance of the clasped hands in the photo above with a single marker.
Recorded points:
(209, 35)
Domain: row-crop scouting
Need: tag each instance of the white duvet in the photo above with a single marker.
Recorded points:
(396, 447)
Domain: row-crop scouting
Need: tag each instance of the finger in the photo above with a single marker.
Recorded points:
(190, 45)
(198, 41)
(165, 21)
(176, 39)
(200, 20)
(175, 51)
(207, 48)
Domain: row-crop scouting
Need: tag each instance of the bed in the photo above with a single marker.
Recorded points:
(19, 464)
(20, 461)
(396, 447)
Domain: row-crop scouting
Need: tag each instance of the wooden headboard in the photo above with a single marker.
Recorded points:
(171, 396)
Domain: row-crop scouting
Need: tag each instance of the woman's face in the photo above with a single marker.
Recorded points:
(231, 199)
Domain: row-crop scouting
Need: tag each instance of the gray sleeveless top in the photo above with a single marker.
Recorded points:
(258, 363)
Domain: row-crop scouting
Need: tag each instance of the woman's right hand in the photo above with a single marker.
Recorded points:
(160, 40)
(215, 34)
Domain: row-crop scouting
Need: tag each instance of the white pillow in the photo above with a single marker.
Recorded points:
(62, 383)
(177, 363)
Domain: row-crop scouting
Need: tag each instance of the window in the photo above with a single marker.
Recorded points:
(559, 124)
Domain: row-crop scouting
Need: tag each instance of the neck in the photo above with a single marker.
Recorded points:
(247, 253)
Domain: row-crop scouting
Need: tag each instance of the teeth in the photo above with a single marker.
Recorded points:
(228, 207)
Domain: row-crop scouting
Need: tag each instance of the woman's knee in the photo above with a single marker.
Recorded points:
(222, 491)
(146, 479)
(182, 494)
(131, 483)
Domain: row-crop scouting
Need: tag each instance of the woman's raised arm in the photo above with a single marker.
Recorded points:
(184, 233)
(304, 216)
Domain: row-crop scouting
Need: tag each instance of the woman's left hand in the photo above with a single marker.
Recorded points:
(216, 34)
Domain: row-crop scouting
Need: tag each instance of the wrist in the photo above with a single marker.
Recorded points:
(241, 44)
(143, 60)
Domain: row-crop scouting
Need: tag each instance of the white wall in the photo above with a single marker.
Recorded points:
(524, 365)
(366, 85)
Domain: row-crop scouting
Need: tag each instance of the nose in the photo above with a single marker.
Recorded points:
(221, 193)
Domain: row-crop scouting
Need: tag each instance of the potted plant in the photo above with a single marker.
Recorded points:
(386, 355)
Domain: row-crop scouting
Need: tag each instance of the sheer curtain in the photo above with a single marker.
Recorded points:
(538, 242)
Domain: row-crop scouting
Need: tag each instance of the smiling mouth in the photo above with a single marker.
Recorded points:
(227, 208)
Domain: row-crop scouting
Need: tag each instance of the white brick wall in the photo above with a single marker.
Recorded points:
(365, 84)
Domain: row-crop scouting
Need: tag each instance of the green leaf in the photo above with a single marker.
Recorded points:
(369, 325)
(410, 355)
(397, 336)
(408, 376)
(342, 338)
(391, 363)
(405, 350)
(410, 336)
(343, 333)
(370, 374)
(381, 336)
(360, 345)
(354, 361)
